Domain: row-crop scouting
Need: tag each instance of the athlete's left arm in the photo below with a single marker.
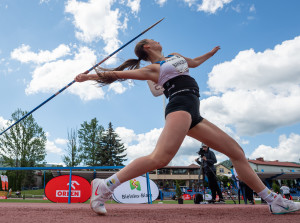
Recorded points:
(192, 63)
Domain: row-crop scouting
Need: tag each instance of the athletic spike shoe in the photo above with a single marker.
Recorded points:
(212, 201)
(283, 206)
(100, 194)
(221, 201)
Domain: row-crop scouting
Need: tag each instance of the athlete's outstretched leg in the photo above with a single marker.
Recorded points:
(176, 127)
(215, 138)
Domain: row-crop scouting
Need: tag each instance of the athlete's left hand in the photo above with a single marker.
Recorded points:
(215, 49)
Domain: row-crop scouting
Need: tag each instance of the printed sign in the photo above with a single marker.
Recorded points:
(4, 181)
(208, 197)
(57, 189)
(186, 197)
(135, 191)
(3, 195)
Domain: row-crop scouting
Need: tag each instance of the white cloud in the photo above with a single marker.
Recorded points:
(61, 141)
(190, 2)
(237, 8)
(52, 148)
(252, 9)
(211, 6)
(3, 123)
(256, 92)
(53, 76)
(96, 20)
(161, 3)
(117, 87)
(143, 144)
(24, 55)
(44, 1)
(287, 150)
(134, 5)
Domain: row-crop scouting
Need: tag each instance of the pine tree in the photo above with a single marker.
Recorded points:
(113, 149)
(90, 144)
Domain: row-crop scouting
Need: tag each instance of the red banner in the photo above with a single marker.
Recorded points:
(57, 189)
(186, 197)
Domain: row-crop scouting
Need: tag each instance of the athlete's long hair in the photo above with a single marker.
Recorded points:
(108, 76)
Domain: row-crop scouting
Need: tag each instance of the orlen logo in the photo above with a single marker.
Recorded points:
(57, 189)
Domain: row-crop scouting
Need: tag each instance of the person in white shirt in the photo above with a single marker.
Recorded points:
(285, 191)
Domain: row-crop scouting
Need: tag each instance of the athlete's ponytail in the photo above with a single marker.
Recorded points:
(108, 76)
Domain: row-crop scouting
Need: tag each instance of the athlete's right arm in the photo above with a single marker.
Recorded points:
(150, 72)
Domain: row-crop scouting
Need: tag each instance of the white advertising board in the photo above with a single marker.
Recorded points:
(135, 191)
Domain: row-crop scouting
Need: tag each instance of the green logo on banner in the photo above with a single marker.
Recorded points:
(134, 184)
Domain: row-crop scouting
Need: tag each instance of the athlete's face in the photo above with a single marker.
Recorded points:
(154, 44)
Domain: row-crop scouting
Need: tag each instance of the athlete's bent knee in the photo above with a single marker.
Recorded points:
(159, 162)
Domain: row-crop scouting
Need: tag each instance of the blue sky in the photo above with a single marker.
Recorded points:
(250, 88)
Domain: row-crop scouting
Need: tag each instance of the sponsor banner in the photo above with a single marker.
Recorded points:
(207, 197)
(3, 182)
(135, 191)
(57, 189)
(3, 197)
(186, 197)
(6, 181)
(3, 194)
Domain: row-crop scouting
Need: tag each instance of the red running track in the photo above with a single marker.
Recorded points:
(139, 213)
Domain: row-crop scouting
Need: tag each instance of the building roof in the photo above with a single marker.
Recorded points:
(261, 161)
(278, 176)
(192, 166)
(220, 164)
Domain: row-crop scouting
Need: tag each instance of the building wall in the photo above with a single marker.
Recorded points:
(190, 177)
(222, 170)
(267, 168)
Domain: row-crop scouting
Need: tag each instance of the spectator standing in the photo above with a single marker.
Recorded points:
(285, 191)
(208, 160)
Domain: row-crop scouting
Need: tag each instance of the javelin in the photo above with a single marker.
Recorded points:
(86, 72)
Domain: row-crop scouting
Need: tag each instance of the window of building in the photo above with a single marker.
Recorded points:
(180, 171)
(163, 171)
(194, 171)
(221, 170)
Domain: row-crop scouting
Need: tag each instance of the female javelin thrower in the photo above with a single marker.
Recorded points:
(182, 118)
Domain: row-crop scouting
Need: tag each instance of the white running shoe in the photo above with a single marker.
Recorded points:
(100, 194)
(283, 206)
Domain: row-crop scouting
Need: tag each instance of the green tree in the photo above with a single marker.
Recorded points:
(90, 136)
(24, 145)
(113, 150)
(275, 187)
(178, 190)
(73, 157)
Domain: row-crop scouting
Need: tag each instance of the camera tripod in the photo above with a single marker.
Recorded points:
(201, 182)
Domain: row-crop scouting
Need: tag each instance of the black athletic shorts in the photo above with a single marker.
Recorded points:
(188, 102)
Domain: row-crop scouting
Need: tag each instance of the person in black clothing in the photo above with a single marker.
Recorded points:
(208, 160)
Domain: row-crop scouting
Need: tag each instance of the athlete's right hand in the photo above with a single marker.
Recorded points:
(81, 77)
